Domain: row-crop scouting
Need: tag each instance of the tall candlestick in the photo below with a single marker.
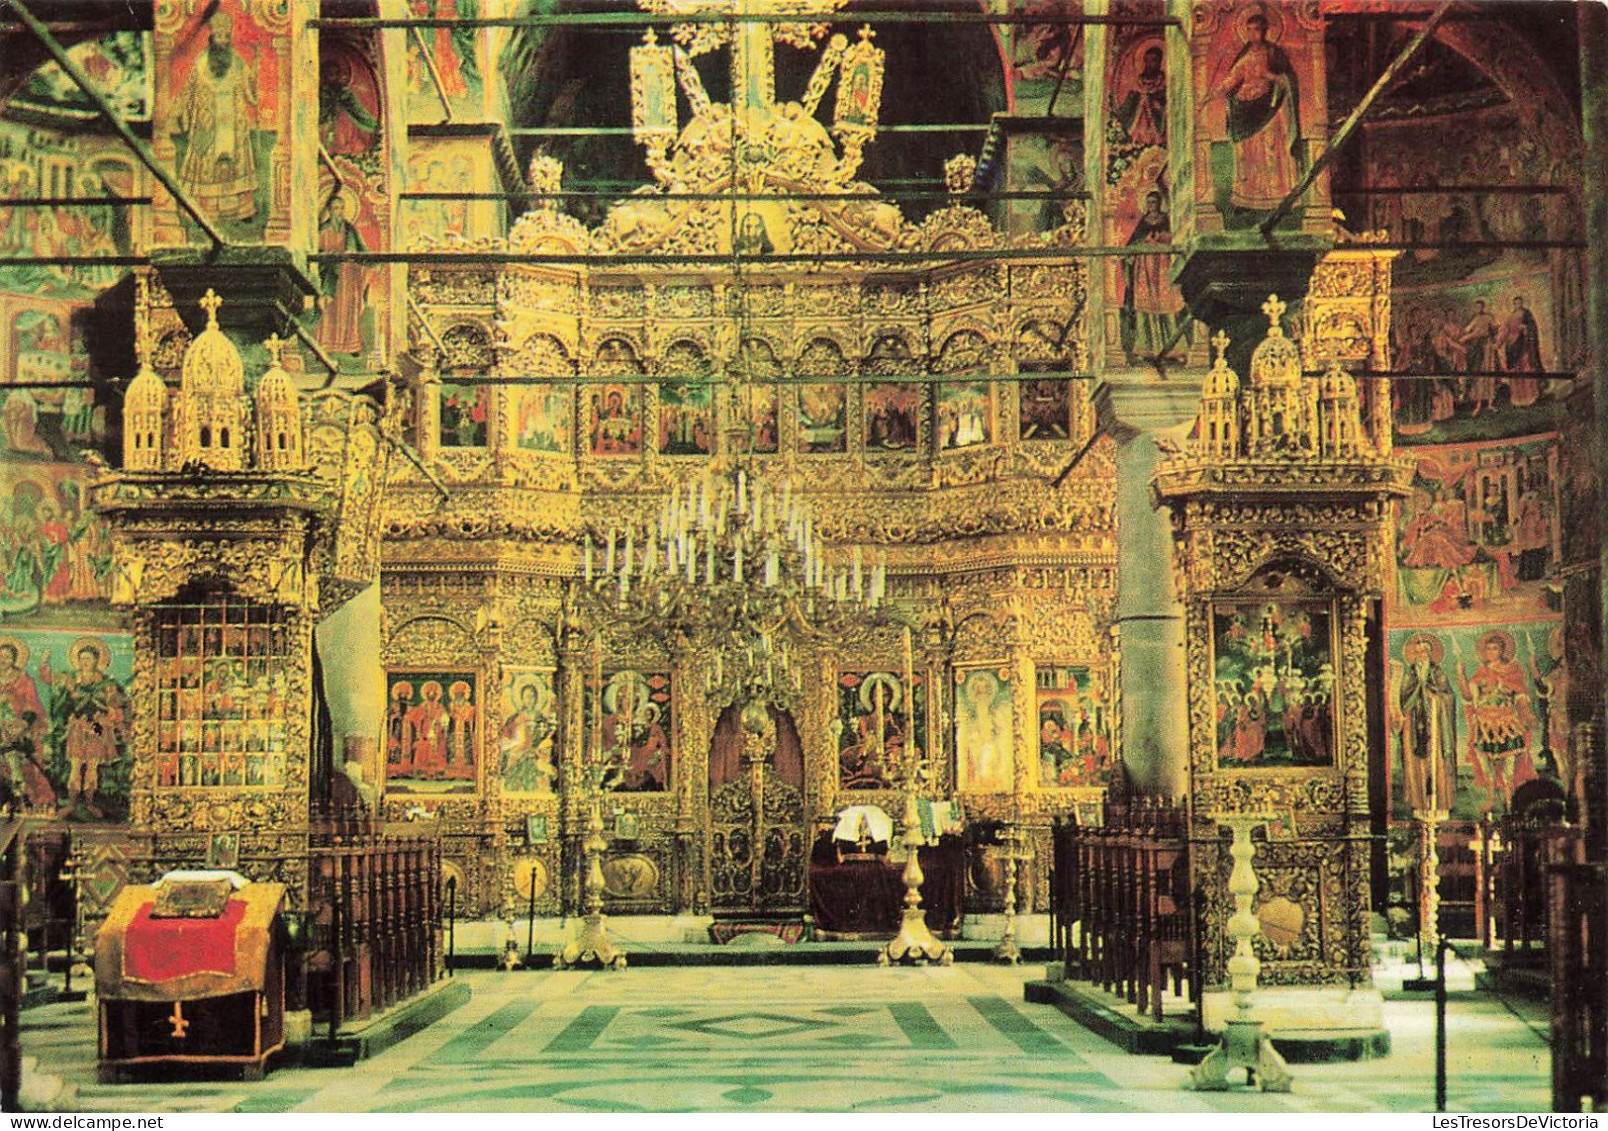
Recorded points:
(597, 697)
(910, 697)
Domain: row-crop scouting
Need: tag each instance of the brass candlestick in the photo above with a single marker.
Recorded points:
(1007, 950)
(1243, 1044)
(914, 943)
(592, 945)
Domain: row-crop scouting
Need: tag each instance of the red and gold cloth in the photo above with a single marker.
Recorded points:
(140, 958)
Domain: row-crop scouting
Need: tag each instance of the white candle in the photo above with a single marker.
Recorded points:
(630, 546)
(608, 561)
(737, 565)
(742, 490)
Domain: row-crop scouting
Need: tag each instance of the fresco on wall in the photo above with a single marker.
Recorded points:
(1046, 78)
(224, 75)
(1477, 538)
(37, 161)
(984, 729)
(452, 51)
(1481, 350)
(1274, 673)
(119, 64)
(527, 732)
(353, 206)
(638, 725)
(432, 731)
(56, 551)
(64, 722)
(1262, 106)
(1480, 707)
(872, 724)
(1148, 309)
(1074, 728)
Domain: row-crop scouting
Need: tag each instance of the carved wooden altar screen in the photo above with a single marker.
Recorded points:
(1280, 511)
(558, 400)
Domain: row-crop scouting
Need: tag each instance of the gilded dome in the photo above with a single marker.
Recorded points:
(147, 392)
(1221, 383)
(1277, 360)
(212, 365)
(275, 389)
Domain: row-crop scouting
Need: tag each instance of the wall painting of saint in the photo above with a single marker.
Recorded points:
(432, 731)
(1258, 95)
(1274, 676)
(64, 710)
(224, 76)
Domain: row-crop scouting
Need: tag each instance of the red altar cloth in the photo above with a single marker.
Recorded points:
(138, 958)
(159, 950)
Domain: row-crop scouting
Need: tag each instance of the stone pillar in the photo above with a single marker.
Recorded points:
(1150, 616)
(349, 645)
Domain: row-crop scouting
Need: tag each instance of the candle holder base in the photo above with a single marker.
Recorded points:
(1243, 1045)
(1007, 952)
(590, 947)
(915, 943)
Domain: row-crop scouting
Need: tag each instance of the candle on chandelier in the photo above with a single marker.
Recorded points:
(742, 490)
(709, 562)
(630, 547)
(737, 566)
(857, 590)
(608, 561)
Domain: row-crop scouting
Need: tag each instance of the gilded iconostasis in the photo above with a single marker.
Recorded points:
(937, 416)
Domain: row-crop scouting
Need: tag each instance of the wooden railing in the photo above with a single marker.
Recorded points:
(1578, 950)
(11, 963)
(1122, 915)
(374, 917)
(1523, 890)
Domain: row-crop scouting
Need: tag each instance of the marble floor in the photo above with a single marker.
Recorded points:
(806, 1039)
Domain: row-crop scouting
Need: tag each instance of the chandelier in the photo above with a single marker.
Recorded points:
(739, 565)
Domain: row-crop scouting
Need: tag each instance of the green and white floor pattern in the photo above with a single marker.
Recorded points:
(791, 1038)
